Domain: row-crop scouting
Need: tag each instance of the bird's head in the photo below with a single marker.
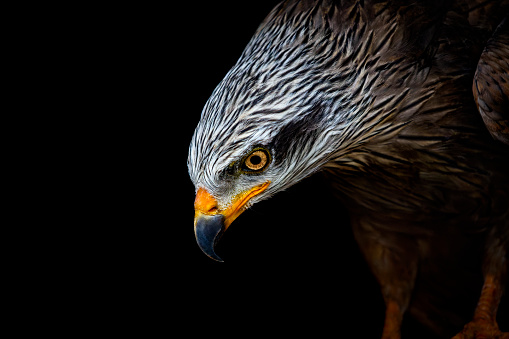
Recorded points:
(279, 115)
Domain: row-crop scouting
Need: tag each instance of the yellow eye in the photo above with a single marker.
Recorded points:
(257, 160)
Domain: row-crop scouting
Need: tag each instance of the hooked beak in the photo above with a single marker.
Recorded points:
(210, 221)
(208, 229)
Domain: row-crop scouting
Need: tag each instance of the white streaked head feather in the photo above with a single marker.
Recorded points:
(289, 92)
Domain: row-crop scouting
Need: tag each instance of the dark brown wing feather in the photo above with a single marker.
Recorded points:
(491, 84)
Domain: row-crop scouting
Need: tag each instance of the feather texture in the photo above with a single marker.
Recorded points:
(491, 84)
(378, 95)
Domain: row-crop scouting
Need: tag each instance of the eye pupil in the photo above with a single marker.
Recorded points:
(256, 160)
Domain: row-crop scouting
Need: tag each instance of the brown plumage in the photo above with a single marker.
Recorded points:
(491, 84)
(378, 96)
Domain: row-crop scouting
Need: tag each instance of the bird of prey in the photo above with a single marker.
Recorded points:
(403, 106)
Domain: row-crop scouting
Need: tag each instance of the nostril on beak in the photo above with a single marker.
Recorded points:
(205, 202)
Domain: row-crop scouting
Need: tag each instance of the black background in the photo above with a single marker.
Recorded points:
(291, 264)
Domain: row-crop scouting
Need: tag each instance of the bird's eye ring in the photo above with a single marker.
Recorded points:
(256, 161)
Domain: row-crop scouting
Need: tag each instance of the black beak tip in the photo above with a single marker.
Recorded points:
(208, 230)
